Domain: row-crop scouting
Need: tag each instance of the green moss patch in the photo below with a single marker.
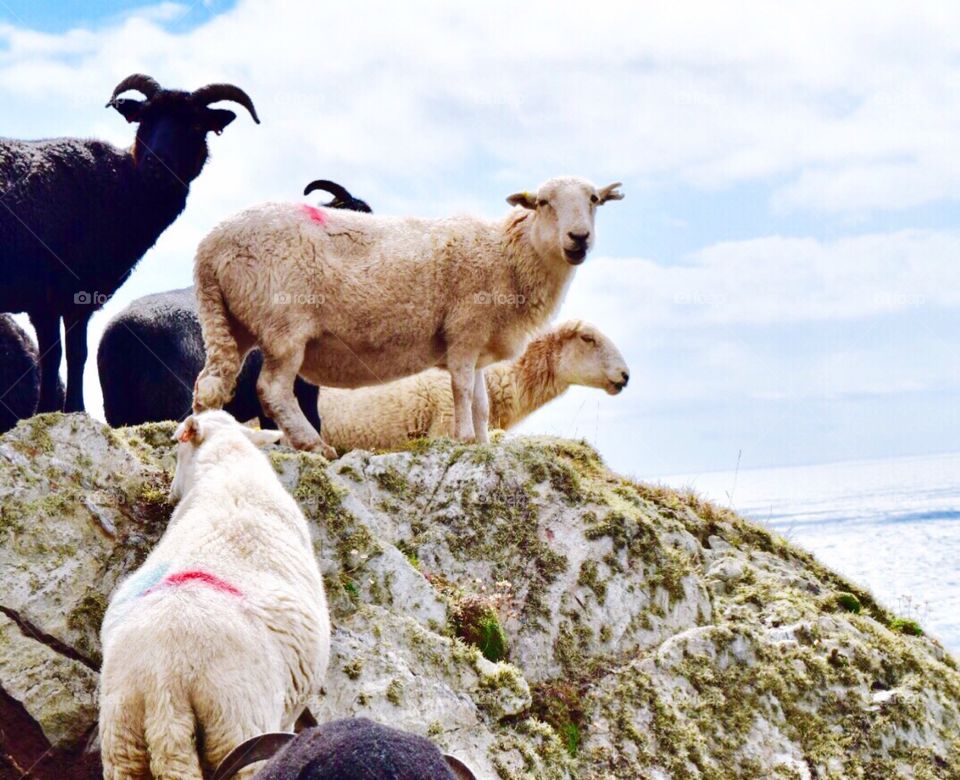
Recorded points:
(906, 626)
(560, 703)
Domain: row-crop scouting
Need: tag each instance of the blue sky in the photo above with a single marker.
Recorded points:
(782, 275)
(59, 16)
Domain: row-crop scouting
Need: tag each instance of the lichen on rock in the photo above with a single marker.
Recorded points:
(646, 633)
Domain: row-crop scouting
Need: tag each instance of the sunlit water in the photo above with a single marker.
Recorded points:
(893, 526)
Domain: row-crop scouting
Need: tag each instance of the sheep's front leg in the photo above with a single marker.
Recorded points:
(480, 407)
(275, 389)
(47, 326)
(307, 396)
(76, 328)
(462, 382)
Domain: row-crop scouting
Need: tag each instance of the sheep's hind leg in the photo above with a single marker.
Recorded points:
(275, 390)
(481, 406)
(123, 749)
(216, 384)
(214, 387)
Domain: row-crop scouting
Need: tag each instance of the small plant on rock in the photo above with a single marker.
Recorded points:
(557, 702)
(914, 613)
(906, 626)
(848, 602)
(477, 617)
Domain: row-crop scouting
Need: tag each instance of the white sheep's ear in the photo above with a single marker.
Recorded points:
(526, 199)
(261, 437)
(189, 431)
(609, 193)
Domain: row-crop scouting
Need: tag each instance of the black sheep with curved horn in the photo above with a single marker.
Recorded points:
(76, 215)
(341, 198)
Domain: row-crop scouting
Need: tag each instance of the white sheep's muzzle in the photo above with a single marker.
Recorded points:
(575, 256)
(617, 380)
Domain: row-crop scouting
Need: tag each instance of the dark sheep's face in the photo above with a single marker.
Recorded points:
(172, 138)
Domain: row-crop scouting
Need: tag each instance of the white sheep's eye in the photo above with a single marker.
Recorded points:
(588, 339)
(594, 198)
(543, 202)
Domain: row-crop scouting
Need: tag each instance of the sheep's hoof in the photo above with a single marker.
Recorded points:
(321, 448)
(208, 393)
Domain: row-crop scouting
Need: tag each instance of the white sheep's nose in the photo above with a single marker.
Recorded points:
(576, 253)
(624, 379)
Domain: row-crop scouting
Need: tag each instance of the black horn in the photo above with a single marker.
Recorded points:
(339, 192)
(138, 81)
(214, 92)
(342, 199)
(254, 749)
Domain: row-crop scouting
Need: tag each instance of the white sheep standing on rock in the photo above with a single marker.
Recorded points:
(389, 415)
(347, 299)
(223, 632)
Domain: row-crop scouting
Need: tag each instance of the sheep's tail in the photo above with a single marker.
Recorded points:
(170, 733)
(216, 382)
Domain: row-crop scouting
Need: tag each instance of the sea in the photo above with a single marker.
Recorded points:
(892, 526)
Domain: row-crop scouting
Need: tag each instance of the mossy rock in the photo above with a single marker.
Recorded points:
(649, 632)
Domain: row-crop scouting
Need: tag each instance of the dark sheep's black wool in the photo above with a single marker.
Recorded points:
(151, 352)
(357, 749)
(150, 355)
(19, 374)
(78, 214)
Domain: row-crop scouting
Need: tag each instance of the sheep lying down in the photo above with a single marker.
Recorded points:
(389, 415)
(223, 631)
(347, 299)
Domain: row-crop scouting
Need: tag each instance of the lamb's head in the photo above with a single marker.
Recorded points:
(587, 357)
(171, 143)
(563, 212)
(198, 433)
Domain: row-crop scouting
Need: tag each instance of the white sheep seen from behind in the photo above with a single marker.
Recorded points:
(348, 299)
(223, 632)
(388, 416)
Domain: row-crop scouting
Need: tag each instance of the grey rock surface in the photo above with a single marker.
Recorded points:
(631, 630)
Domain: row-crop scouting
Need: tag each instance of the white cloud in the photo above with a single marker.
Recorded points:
(850, 107)
(426, 108)
(778, 319)
(777, 280)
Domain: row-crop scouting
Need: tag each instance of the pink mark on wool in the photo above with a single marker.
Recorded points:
(204, 578)
(315, 214)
